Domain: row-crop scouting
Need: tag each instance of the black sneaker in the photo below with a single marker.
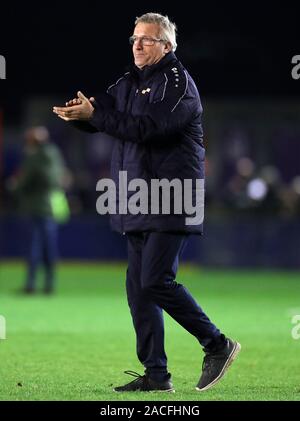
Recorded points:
(215, 364)
(145, 384)
(48, 290)
(29, 290)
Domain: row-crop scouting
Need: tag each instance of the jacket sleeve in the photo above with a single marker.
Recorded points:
(178, 105)
(104, 100)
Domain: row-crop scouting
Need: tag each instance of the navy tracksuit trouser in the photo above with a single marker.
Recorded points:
(151, 288)
(42, 249)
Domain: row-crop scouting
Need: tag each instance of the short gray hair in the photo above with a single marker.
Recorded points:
(167, 28)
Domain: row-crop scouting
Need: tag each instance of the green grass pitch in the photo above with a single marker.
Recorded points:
(76, 344)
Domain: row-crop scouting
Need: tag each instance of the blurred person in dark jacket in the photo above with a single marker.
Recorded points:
(41, 175)
(154, 113)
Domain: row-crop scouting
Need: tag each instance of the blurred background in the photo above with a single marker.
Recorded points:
(240, 58)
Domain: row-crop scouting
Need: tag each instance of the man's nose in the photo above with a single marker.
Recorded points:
(138, 44)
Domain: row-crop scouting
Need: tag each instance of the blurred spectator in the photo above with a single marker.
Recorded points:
(251, 190)
(39, 188)
(290, 198)
(236, 192)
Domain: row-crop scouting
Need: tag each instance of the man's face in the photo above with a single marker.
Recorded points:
(145, 55)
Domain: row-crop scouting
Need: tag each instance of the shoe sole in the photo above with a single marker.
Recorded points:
(146, 391)
(231, 358)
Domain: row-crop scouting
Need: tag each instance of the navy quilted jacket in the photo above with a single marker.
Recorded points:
(155, 116)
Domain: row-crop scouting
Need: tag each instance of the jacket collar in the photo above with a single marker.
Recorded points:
(148, 71)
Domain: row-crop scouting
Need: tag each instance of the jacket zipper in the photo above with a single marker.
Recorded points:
(122, 165)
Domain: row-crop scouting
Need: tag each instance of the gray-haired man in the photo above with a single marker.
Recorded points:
(154, 112)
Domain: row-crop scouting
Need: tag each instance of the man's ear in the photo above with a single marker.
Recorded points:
(168, 47)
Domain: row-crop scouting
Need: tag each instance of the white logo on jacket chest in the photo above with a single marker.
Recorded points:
(144, 91)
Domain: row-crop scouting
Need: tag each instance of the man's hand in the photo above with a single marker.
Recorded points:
(80, 108)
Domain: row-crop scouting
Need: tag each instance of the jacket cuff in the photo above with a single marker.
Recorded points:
(97, 119)
(103, 103)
